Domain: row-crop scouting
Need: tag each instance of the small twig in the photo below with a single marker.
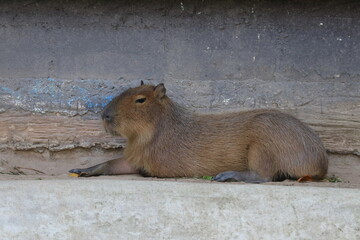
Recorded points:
(31, 169)
(17, 172)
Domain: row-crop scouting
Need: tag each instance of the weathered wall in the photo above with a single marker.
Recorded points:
(62, 61)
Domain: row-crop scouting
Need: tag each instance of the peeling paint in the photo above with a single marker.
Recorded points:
(54, 95)
(225, 100)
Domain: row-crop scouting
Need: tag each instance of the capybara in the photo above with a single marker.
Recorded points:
(166, 140)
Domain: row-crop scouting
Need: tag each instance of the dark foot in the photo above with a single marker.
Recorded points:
(86, 172)
(112, 167)
(232, 176)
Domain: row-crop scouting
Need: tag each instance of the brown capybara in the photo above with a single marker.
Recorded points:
(166, 140)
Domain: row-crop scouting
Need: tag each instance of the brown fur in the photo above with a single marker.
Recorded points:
(166, 140)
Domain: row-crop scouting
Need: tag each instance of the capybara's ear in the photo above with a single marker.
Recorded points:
(159, 91)
(141, 82)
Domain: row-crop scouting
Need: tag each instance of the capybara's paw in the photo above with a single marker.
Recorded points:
(245, 176)
(229, 176)
(81, 172)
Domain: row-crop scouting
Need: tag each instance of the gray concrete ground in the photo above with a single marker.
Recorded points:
(135, 209)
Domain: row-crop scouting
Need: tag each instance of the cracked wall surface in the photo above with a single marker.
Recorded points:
(61, 62)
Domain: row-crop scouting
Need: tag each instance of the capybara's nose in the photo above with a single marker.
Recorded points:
(106, 117)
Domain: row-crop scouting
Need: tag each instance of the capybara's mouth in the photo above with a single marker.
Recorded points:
(109, 129)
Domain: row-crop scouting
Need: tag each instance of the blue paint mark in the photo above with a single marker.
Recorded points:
(80, 91)
(109, 98)
(97, 104)
(6, 90)
(90, 105)
(49, 94)
(51, 88)
(106, 100)
(70, 102)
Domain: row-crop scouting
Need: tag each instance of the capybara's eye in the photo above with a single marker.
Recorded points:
(140, 100)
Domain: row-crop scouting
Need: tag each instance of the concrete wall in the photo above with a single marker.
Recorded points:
(61, 62)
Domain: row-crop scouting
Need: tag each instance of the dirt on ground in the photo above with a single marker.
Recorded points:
(344, 170)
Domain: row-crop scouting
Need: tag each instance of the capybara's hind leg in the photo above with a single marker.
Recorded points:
(261, 160)
(244, 176)
(116, 166)
(261, 168)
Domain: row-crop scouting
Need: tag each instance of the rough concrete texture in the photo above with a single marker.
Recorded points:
(107, 209)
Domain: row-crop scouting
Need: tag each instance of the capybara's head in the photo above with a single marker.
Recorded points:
(136, 111)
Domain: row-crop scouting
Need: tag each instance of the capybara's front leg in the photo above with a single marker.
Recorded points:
(112, 167)
(245, 176)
